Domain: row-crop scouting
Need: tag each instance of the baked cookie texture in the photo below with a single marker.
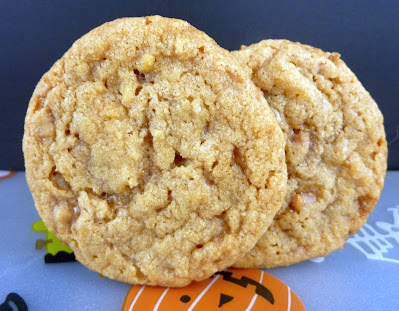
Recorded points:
(336, 150)
(152, 154)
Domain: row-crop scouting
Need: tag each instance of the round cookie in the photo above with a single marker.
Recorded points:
(152, 154)
(336, 150)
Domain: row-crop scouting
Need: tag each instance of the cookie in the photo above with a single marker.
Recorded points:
(336, 150)
(152, 154)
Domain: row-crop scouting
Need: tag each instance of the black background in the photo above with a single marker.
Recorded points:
(34, 34)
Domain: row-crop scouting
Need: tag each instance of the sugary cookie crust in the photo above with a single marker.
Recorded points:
(336, 150)
(151, 153)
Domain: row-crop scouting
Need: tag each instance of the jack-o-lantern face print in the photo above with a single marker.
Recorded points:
(232, 289)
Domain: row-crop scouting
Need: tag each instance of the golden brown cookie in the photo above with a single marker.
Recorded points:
(336, 151)
(152, 154)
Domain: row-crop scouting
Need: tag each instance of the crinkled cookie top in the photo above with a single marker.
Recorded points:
(152, 154)
(336, 150)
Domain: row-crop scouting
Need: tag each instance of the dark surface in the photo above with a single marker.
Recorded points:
(34, 34)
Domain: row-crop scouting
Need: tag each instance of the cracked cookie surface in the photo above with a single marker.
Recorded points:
(336, 150)
(152, 154)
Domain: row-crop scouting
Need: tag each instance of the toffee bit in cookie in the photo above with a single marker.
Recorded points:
(301, 137)
(308, 197)
(297, 202)
(277, 115)
(58, 180)
(239, 159)
(116, 200)
(64, 214)
(209, 177)
(223, 232)
(76, 212)
(235, 78)
(47, 128)
(366, 205)
(138, 89)
(39, 103)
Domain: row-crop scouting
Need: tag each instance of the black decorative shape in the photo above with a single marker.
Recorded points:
(61, 256)
(185, 298)
(244, 281)
(224, 299)
(16, 300)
